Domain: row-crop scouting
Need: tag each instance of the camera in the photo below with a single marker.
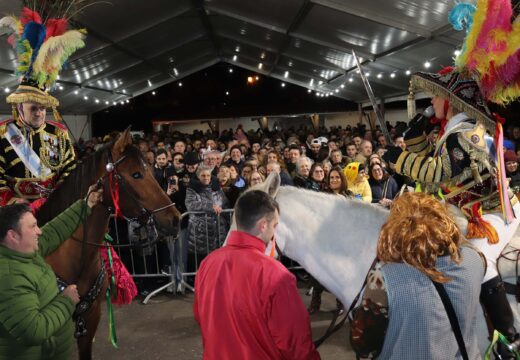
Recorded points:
(172, 181)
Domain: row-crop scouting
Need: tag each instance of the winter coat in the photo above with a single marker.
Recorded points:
(35, 319)
(247, 305)
(207, 231)
(383, 189)
(361, 190)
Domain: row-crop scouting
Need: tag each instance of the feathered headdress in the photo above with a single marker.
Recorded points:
(491, 55)
(43, 44)
(491, 50)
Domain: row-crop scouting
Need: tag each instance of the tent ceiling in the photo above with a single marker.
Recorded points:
(136, 46)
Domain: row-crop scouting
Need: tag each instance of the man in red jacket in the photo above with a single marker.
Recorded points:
(246, 303)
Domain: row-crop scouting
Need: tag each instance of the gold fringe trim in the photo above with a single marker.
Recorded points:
(31, 94)
(438, 90)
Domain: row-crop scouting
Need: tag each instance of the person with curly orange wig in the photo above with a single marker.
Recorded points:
(402, 315)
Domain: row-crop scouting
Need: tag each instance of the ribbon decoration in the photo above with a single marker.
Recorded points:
(114, 193)
(272, 253)
(112, 336)
(507, 209)
(498, 337)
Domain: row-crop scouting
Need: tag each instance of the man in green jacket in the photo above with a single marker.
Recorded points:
(35, 319)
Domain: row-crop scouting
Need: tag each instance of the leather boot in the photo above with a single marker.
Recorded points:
(315, 300)
(494, 300)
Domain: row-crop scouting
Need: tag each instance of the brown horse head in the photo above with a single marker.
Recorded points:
(139, 193)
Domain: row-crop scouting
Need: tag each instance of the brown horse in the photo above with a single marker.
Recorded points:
(77, 261)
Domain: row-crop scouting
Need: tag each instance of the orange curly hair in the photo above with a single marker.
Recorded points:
(418, 230)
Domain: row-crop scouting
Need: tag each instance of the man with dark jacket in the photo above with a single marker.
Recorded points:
(162, 169)
(35, 319)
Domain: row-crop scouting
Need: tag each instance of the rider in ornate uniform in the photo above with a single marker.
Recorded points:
(35, 154)
(465, 166)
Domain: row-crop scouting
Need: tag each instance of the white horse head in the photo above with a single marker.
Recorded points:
(332, 237)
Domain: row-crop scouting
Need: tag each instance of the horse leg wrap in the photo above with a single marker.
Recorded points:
(494, 300)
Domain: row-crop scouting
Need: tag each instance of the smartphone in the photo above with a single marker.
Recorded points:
(172, 181)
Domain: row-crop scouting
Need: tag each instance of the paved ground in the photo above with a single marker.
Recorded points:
(165, 329)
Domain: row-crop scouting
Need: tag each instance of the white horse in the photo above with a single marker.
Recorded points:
(335, 239)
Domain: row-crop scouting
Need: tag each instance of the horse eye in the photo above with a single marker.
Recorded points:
(137, 175)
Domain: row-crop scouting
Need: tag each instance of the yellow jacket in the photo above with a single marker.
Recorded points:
(361, 188)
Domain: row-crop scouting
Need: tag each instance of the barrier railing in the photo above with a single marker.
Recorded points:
(177, 257)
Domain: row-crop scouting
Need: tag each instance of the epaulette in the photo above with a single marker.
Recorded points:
(57, 124)
(3, 126)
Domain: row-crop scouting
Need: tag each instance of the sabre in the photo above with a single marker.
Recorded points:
(370, 93)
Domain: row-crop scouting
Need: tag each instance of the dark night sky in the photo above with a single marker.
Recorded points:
(203, 95)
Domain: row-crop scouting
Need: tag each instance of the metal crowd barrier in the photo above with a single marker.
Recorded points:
(146, 259)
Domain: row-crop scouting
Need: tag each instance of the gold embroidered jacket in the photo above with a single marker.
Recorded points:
(52, 145)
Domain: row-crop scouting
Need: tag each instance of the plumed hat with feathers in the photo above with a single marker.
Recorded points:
(43, 44)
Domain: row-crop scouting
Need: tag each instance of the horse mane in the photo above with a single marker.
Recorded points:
(74, 187)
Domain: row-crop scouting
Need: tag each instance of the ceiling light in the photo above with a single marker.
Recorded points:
(76, 92)
(336, 91)
(350, 79)
(320, 82)
(175, 71)
(107, 102)
(257, 78)
(97, 101)
(149, 83)
(392, 75)
(153, 92)
(235, 58)
(317, 93)
(262, 55)
(309, 91)
(180, 84)
(230, 70)
(342, 86)
(127, 101)
(7, 90)
(85, 97)
(311, 82)
(122, 102)
(286, 74)
(114, 103)
(456, 52)
(260, 65)
(60, 87)
(427, 64)
(408, 72)
(124, 91)
(283, 84)
(379, 76)
(237, 49)
(227, 92)
(367, 74)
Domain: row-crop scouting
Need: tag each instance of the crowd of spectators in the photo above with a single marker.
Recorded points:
(207, 171)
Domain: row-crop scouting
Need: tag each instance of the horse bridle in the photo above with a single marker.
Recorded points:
(114, 178)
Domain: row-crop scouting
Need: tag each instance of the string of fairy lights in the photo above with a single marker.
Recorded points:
(313, 86)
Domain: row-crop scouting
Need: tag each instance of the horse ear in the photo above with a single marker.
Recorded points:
(122, 141)
(272, 183)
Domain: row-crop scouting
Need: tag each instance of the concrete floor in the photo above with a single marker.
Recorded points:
(165, 329)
